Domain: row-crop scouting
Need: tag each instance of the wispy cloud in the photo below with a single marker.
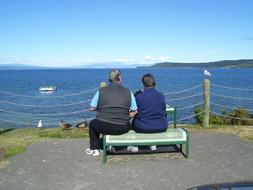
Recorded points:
(248, 38)
(124, 60)
(69, 62)
(156, 59)
(19, 60)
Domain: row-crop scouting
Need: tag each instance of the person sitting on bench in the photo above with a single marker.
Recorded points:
(114, 105)
(151, 109)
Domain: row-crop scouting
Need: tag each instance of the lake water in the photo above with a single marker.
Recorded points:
(26, 111)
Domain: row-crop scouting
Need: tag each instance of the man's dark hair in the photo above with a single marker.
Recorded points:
(148, 81)
(115, 75)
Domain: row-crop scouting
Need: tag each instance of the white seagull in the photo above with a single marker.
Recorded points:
(207, 73)
(40, 124)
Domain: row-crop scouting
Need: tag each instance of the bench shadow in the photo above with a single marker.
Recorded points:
(146, 150)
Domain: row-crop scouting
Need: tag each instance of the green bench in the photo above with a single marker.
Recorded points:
(170, 109)
(173, 136)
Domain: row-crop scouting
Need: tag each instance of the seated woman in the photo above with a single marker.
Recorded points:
(151, 109)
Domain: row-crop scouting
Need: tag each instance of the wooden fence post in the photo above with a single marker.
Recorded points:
(206, 103)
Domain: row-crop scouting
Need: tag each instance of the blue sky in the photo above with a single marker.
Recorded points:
(78, 32)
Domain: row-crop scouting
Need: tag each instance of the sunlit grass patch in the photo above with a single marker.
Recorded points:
(13, 150)
(59, 133)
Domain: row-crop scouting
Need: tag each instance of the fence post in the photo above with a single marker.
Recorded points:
(206, 103)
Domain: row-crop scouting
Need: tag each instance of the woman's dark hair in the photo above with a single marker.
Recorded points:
(148, 80)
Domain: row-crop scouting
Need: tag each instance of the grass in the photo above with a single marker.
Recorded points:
(244, 132)
(13, 142)
(58, 133)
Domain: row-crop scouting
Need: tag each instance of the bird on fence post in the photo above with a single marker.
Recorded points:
(40, 125)
(207, 73)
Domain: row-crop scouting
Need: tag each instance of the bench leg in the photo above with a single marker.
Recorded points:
(104, 154)
(104, 151)
(187, 148)
(175, 118)
(181, 148)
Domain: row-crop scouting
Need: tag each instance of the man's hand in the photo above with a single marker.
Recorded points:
(92, 109)
(132, 113)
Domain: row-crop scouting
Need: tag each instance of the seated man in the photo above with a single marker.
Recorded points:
(151, 109)
(114, 105)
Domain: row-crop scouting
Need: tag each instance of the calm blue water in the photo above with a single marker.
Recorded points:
(75, 81)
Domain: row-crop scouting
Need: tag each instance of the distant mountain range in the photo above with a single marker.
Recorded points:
(104, 65)
(15, 66)
(241, 63)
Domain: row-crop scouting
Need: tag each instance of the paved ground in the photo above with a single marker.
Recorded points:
(63, 165)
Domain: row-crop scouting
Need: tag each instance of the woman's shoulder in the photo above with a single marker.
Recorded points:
(137, 93)
(159, 92)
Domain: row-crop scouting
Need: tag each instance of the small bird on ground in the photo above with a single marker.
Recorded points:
(40, 125)
(82, 125)
(64, 126)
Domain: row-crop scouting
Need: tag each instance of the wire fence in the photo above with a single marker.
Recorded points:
(239, 118)
(185, 90)
(185, 101)
(51, 97)
(232, 88)
(16, 112)
(243, 101)
(46, 106)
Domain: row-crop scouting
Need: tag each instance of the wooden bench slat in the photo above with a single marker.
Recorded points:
(169, 108)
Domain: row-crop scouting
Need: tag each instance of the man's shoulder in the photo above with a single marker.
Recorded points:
(110, 87)
(123, 88)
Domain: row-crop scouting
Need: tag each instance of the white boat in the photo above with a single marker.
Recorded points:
(48, 89)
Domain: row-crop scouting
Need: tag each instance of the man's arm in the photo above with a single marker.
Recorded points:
(92, 109)
(94, 102)
(133, 107)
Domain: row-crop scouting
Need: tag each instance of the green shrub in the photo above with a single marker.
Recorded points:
(229, 120)
(198, 117)
(240, 113)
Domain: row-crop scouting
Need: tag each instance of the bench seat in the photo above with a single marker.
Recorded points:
(173, 136)
(177, 134)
